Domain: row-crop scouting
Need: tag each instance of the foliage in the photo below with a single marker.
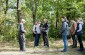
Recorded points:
(53, 10)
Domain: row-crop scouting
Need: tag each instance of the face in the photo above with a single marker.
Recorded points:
(72, 21)
(78, 20)
(63, 19)
(36, 23)
(45, 20)
(39, 22)
(23, 22)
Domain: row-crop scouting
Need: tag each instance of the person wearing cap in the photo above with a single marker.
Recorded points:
(79, 33)
(21, 36)
(64, 32)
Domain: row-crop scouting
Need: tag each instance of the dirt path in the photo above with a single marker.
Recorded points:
(42, 51)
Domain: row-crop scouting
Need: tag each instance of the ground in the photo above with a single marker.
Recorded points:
(55, 48)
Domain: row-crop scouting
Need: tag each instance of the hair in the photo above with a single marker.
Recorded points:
(65, 18)
(23, 20)
(81, 19)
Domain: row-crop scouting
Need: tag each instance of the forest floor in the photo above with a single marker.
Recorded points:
(55, 49)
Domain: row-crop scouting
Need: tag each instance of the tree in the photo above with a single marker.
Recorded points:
(6, 6)
(18, 10)
(34, 9)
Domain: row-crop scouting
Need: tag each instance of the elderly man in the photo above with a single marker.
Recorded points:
(21, 36)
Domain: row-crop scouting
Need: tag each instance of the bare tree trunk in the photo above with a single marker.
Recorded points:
(6, 6)
(34, 9)
(18, 10)
(57, 14)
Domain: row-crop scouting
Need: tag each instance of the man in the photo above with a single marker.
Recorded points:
(45, 28)
(64, 32)
(72, 32)
(21, 35)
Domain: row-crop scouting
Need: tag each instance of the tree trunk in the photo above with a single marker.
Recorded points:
(57, 14)
(6, 6)
(18, 11)
(34, 9)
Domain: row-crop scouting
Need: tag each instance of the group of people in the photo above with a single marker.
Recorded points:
(42, 29)
(38, 30)
(75, 30)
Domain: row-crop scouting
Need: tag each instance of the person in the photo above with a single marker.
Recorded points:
(45, 28)
(37, 32)
(21, 35)
(64, 32)
(79, 33)
(72, 32)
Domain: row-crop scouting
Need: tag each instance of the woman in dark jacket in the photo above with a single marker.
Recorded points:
(79, 33)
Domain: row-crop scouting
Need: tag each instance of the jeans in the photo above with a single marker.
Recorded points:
(65, 42)
(80, 41)
(36, 42)
(74, 40)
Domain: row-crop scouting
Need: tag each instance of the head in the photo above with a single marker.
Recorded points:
(36, 23)
(80, 20)
(23, 21)
(72, 21)
(45, 20)
(64, 19)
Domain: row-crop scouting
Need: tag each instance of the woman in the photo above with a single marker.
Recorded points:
(37, 32)
(72, 32)
(79, 33)
(64, 33)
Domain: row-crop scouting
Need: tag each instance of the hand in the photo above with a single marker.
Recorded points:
(43, 28)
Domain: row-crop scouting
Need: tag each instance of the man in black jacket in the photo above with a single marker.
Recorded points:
(45, 28)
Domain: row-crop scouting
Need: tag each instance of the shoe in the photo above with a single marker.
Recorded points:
(46, 47)
(35, 46)
(63, 50)
(74, 46)
(71, 45)
(80, 50)
(23, 50)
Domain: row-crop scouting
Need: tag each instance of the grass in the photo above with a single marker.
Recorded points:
(55, 48)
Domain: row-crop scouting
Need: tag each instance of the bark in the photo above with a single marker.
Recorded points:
(6, 6)
(18, 11)
(34, 10)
